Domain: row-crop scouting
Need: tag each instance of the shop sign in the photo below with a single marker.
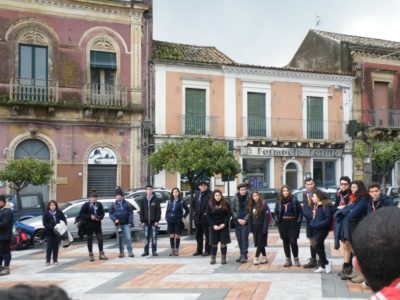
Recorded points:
(299, 152)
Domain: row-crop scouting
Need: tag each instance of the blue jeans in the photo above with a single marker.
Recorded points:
(124, 237)
(150, 232)
(242, 236)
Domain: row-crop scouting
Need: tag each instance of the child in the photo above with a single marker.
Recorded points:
(218, 215)
(258, 217)
(320, 224)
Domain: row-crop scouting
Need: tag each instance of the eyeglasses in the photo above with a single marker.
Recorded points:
(344, 183)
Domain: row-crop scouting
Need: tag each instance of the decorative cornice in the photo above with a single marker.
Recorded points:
(33, 37)
(287, 73)
(102, 44)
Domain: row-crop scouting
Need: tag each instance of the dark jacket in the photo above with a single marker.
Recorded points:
(298, 213)
(218, 216)
(122, 211)
(175, 214)
(150, 212)
(264, 219)
(86, 212)
(347, 218)
(199, 208)
(6, 224)
(239, 207)
(322, 218)
(339, 197)
(49, 222)
(384, 200)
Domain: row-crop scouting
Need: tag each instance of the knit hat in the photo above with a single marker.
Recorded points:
(119, 191)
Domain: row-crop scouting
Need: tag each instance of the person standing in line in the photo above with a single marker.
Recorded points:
(218, 215)
(92, 213)
(288, 216)
(150, 215)
(347, 219)
(342, 198)
(174, 215)
(239, 210)
(6, 226)
(258, 217)
(121, 213)
(51, 218)
(320, 223)
(308, 207)
(198, 209)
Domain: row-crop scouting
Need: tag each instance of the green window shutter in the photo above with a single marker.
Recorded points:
(195, 111)
(256, 118)
(315, 118)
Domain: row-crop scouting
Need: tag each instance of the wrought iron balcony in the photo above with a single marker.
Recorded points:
(33, 90)
(197, 124)
(105, 94)
(292, 129)
(386, 118)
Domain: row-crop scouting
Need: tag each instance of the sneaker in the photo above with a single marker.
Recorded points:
(91, 257)
(47, 264)
(244, 259)
(5, 271)
(56, 263)
(155, 254)
(320, 270)
(145, 254)
(264, 260)
(255, 261)
(102, 256)
(131, 255)
(121, 255)
(328, 267)
(197, 253)
(239, 259)
(206, 253)
(365, 285)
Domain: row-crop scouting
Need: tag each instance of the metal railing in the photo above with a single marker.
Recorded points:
(23, 89)
(292, 129)
(386, 118)
(105, 94)
(198, 124)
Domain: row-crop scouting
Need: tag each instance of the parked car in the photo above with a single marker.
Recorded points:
(393, 192)
(331, 192)
(137, 195)
(71, 210)
(27, 206)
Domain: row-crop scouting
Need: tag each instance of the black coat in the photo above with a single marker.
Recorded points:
(6, 224)
(322, 218)
(218, 216)
(199, 208)
(298, 213)
(86, 212)
(152, 213)
(49, 223)
(384, 200)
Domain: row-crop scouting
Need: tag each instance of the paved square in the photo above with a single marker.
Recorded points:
(183, 277)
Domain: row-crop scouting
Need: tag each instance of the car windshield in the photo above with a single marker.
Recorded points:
(63, 206)
(162, 196)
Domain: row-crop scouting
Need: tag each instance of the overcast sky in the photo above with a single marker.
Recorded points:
(266, 32)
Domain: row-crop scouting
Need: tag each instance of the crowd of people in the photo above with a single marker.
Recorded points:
(352, 216)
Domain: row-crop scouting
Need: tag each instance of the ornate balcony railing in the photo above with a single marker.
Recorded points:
(386, 118)
(105, 94)
(197, 124)
(292, 129)
(33, 90)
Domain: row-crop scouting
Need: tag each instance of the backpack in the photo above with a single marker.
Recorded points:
(20, 239)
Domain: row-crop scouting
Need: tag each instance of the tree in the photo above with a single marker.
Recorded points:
(383, 149)
(22, 172)
(197, 158)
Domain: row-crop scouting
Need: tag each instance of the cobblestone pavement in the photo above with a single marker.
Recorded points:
(183, 277)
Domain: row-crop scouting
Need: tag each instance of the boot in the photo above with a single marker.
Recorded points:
(312, 263)
(5, 271)
(288, 262)
(297, 262)
(102, 256)
(358, 279)
(346, 272)
(176, 253)
(353, 274)
(213, 261)
(244, 259)
(255, 261)
(91, 256)
(239, 259)
(172, 252)
(340, 273)
(223, 260)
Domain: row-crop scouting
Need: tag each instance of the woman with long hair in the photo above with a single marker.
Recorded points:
(258, 217)
(51, 218)
(288, 216)
(320, 223)
(218, 215)
(347, 219)
(174, 215)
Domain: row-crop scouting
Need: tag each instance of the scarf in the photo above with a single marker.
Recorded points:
(53, 214)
